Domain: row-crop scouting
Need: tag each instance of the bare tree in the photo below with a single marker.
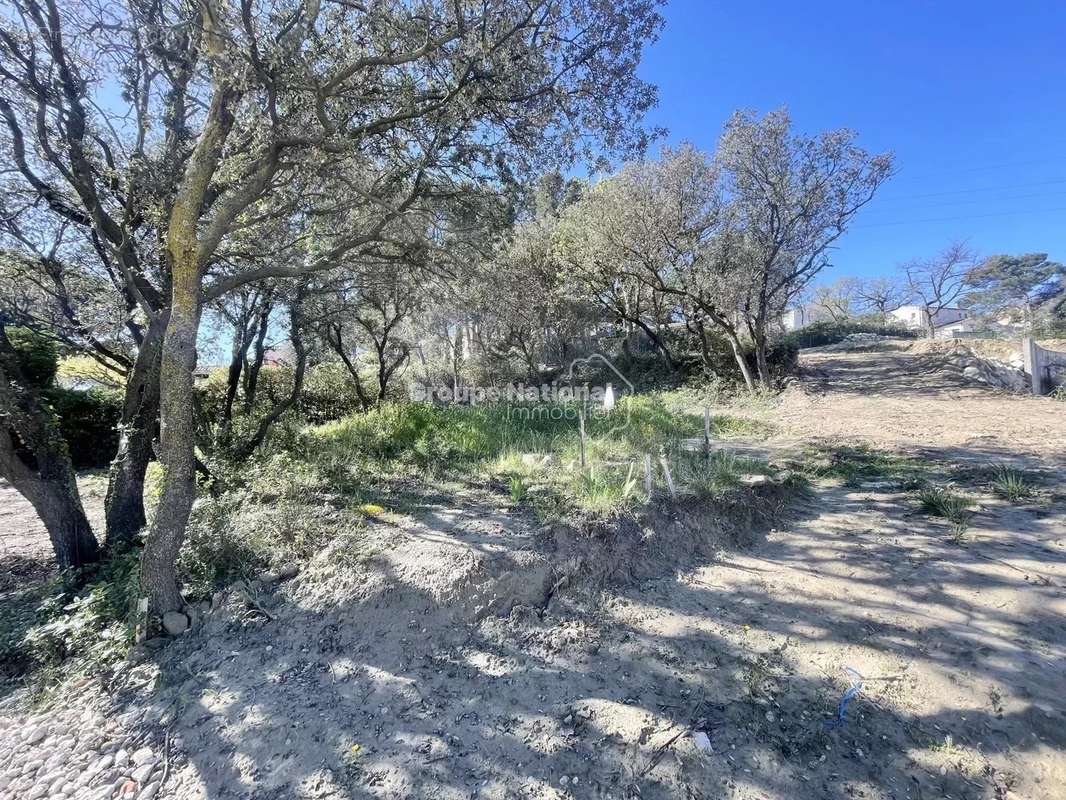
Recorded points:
(940, 281)
(837, 299)
(882, 295)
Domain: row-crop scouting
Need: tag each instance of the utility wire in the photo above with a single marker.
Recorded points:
(967, 217)
(969, 201)
(978, 189)
(986, 167)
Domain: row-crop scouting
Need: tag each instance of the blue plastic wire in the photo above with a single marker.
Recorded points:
(856, 687)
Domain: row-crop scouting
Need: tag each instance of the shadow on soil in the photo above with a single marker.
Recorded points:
(396, 696)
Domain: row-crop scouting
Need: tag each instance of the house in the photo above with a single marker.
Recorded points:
(916, 317)
(803, 315)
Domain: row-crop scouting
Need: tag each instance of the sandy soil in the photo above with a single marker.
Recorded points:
(439, 658)
(912, 402)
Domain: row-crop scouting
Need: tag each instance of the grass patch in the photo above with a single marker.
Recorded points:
(936, 501)
(715, 476)
(534, 449)
(1010, 484)
(856, 465)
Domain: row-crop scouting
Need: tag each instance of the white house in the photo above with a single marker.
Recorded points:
(916, 317)
(801, 316)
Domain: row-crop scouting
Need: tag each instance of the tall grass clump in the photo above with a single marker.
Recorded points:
(1010, 484)
(711, 477)
(465, 435)
(937, 501)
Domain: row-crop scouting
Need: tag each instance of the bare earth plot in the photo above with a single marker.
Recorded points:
(911, 402)
(440, 659)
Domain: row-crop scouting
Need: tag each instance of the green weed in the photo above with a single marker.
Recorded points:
(518, 488)
(855, 465)
(940, 502)
(1010, 484)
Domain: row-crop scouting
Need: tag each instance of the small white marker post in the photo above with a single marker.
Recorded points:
(581, 430)
(707, 432)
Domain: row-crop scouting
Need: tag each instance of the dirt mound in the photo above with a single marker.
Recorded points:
(664, 538)
(476, 559)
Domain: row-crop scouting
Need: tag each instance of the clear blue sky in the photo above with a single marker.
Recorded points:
(971, 97)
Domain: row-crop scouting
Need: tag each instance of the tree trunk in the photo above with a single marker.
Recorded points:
(741, 359)
(763, 366)
(251, 372)
(177, 443)
(124, 503)
(49, 484)
(296, 337)
(37, 464)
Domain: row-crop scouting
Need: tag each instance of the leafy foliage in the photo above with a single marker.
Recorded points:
(88, 422)
(37, 355)
(819, 334)
(1014, 285)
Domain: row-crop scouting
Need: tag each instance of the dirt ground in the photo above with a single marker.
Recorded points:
(441, 658)
(911, 402)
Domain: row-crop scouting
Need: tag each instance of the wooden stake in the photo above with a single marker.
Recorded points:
(647, 474)
(707, 432)
(581, 430)
(666, 474)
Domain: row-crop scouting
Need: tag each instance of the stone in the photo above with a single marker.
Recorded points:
(149, 791)
(288, 572)
(143, 773)
(754, 480)
(32, 766)
(35, 735)
(38, 790)
(879, 486)
(175, 623)
(144, 756)
(702, 742)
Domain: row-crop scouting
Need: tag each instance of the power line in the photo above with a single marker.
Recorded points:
(986, 167)
(967, 217)
(971, 200)
(978, 189)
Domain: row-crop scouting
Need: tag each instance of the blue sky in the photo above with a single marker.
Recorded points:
(971, 97)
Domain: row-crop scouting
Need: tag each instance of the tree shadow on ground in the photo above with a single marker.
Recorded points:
(395, 694)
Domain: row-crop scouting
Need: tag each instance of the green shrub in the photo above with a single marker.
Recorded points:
(89, 424)
(1010, 484)
(820, 334)
(95, 626)
(37, 355)
(87, 420)
(328, 394)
